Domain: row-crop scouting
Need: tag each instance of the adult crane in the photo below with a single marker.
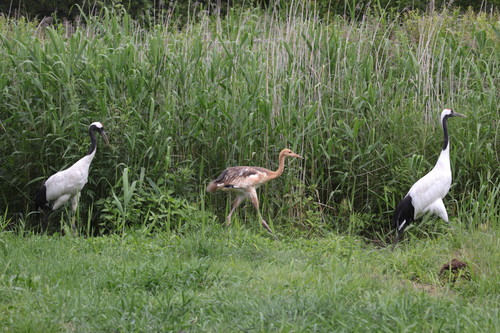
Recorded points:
(67, 184)
(427, 194)
(244, 180)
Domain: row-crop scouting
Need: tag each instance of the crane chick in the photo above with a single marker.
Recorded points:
(68, 183)
(244, 180)
(427, 194)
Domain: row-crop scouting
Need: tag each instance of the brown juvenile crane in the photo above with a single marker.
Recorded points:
(243, 180)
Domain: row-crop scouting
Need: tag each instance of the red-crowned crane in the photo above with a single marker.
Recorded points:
(427, 194)
(68, 183)
(244, 180)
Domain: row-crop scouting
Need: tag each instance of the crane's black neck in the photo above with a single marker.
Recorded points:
(93, 141)
(445, 132)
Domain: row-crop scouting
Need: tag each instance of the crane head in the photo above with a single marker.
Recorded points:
(288, 152)
(98, 127)
(450, 113)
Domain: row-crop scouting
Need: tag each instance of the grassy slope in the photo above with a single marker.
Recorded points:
(224, 279)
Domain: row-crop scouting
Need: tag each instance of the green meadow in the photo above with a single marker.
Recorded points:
(216, 279)
(359, 99)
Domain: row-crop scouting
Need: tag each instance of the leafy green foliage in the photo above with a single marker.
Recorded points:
(359, 99)
(147, 205)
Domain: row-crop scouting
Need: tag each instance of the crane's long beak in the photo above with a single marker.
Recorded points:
(105, 137)
(456, 114)
(296, 155)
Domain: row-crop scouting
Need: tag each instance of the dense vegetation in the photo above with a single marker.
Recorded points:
(182, 9)
(360, 100)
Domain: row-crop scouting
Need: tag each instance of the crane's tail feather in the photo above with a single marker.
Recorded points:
(41, 198)
(212, 187)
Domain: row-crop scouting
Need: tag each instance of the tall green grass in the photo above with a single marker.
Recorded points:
(359, 99)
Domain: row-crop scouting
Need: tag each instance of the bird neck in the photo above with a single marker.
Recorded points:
(281, 167)
(93, 142)
(446, 142)
(444, 157)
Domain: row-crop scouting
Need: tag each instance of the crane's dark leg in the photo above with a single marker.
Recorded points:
(239, 199)
(396, 239)
(255, 201)
(45, 219)
(45, 212)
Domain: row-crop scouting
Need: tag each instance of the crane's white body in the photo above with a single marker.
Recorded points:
(428, 192)
(68, 183)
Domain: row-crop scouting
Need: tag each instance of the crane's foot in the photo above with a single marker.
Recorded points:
(74, 231)
(269, 229)
(228, 221)
(48, 219)
(45, 222)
